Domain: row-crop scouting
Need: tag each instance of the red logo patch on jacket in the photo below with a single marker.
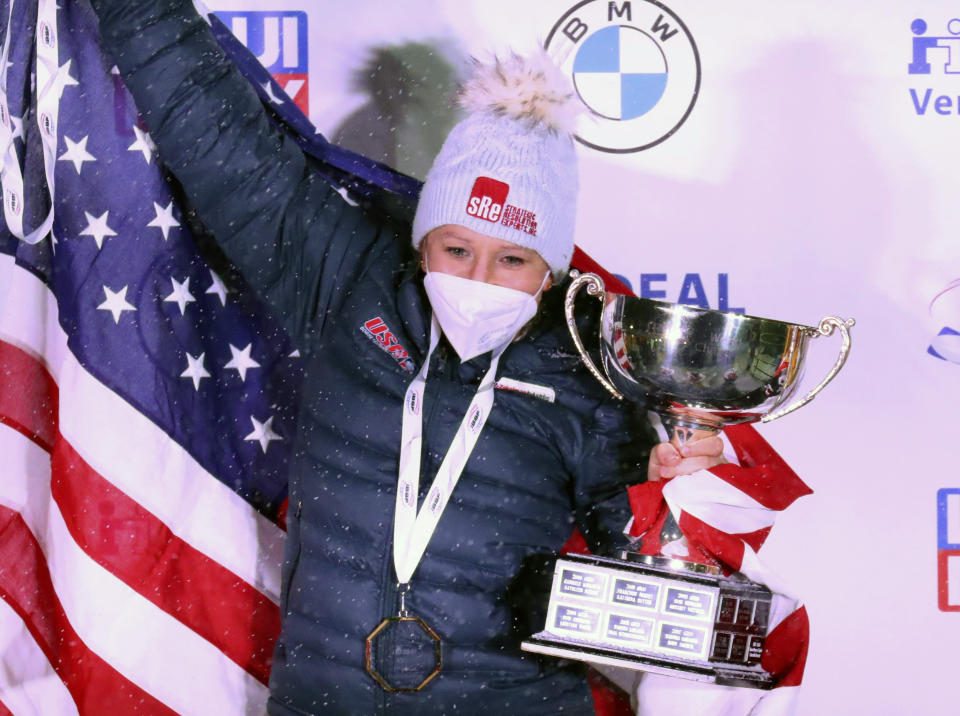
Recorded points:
(377, 331)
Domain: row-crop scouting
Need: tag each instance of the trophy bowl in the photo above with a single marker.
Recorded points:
(700, 369)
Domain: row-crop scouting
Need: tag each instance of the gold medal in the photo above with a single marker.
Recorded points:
(397, 651)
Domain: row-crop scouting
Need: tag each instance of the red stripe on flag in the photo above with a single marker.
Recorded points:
(646, 503)
(583, 262)
(96, 687)
(755, 539)
(28, 396)
(785, 649)
(728, 549)
(132, 544)
(608, 698)
(4, 711)
(649, 514)
(762, 473)
(575, 544)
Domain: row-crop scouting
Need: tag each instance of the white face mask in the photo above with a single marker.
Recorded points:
(477, 317)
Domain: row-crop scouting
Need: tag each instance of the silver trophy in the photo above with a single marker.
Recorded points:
(699, 370)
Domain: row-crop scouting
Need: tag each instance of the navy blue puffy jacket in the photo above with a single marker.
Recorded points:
(329, 270)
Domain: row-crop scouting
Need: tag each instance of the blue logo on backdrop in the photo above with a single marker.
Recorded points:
(634, 66)
(944, 49)
(934, 55)
(945, 312)
(948, 549)
(620, 72)
(692, 290)
(278, 39)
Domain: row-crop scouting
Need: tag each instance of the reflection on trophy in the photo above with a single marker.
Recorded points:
(699, 370)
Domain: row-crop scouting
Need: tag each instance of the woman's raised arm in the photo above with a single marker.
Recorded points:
(293, 237)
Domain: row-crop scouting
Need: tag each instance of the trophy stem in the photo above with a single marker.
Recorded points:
(681, 431)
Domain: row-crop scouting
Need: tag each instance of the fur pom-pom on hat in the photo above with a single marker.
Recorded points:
(527, 89)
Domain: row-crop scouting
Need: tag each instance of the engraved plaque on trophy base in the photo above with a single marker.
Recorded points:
(657, 614)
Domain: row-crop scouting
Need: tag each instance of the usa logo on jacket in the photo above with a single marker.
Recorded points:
(378, 331)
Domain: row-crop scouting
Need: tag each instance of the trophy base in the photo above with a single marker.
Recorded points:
(544, 643)
(652, 613)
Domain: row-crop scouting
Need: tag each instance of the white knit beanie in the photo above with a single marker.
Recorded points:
(509, 169)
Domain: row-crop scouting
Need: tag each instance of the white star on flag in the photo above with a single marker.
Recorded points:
(77, 153)
(195, 370)
(116, 302)
(17, 124)
(64, 79)
(97, 228)
(218, 287)
(342, 191)
(181, 294)
(164, 220)
(241, 361)
(262, 432)
(143, 144)
(268, 88)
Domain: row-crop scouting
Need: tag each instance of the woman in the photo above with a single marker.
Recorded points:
(429, 366)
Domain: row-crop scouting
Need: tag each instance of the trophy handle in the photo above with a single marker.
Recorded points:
(824, 329)
(595, 288)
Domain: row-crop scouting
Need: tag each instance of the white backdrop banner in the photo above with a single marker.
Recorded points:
(790, 160)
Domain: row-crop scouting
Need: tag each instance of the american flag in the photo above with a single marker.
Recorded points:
(147, 404)
(725, 514)
(147, 400)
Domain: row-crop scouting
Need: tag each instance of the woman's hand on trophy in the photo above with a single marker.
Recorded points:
(666, 460)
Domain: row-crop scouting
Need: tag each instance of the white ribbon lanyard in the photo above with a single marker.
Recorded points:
(51, 80)
(411, 530)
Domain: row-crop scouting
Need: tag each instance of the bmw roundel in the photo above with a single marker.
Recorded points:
(634, 66)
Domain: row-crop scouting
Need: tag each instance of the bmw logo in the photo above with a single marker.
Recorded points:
(635, 67)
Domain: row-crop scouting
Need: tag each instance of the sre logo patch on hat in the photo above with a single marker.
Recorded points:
(487, 199)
